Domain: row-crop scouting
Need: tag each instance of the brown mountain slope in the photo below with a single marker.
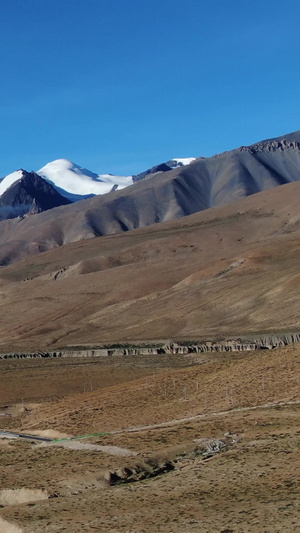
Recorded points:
(165, 196)
(227, 271)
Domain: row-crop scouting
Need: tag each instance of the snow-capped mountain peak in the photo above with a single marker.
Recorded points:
(75, 182)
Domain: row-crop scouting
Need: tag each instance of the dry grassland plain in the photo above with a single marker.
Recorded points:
(168, 413)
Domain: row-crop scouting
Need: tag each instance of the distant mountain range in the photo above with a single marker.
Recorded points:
(63, 182)
(163, 193)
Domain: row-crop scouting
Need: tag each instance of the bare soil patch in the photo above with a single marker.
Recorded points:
(6, 527)
(17, 496)
(79, 445)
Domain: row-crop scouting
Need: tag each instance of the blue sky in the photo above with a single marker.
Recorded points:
(120, 85)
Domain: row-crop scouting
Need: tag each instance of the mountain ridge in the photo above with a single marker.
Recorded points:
(77, 183)
(159, 197)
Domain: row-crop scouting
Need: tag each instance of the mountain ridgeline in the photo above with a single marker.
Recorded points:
(158, 195)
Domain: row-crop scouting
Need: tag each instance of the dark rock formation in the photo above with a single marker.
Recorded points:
(30, 194)
(163, 167)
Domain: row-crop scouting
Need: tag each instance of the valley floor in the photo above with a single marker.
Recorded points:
(227, 470)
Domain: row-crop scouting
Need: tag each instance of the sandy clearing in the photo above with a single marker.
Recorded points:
(49, 433)
(78, 445)
(6, 527)
(17, 496)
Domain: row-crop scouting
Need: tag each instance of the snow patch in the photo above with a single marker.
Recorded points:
(181, 162)
(9, 180)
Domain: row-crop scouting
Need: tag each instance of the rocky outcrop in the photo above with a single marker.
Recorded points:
(271, 146)
(263, 342)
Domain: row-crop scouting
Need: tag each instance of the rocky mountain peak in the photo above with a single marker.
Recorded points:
(271, 146)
